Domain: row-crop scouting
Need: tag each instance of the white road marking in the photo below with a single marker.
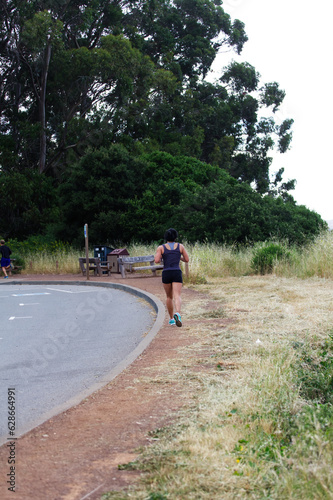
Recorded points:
(19, 317)
(26, 294)
(32, 304)
(70, 291)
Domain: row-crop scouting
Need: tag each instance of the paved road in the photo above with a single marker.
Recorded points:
(57, 341)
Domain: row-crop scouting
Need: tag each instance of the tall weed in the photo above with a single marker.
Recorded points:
(218, 260)
(317, 258)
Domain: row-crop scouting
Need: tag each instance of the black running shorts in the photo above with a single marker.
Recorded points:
(172, 276)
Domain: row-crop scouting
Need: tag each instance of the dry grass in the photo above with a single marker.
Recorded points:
(315, 259)
(229, 441)
(217, 260)
(52, 263)
(207, 260)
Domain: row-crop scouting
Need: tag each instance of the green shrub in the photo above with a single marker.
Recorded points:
(266, 256)
(38, 244)
(315, 372)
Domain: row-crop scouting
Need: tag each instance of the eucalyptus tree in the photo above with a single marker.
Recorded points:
(183, 36)
(215, 122)
(68, 63)
(80, 74)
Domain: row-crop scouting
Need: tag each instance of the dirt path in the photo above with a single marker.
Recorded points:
(75, 455)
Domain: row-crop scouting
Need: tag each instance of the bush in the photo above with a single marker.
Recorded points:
(315, 372)
(38, 244)
(265, 257)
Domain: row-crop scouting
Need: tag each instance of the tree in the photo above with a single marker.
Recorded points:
(39, 36)
(30, 40)
(72, 56)
(90, 88)
(182, 36)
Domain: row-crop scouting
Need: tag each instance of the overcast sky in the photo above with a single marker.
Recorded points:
(290, 42)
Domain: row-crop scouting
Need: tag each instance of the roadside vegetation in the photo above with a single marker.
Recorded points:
(257, 382)
(258, 415)
(207, 260)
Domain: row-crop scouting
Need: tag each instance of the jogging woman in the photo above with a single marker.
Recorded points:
(172, 253)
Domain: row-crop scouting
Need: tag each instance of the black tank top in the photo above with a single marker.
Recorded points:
(171, 258)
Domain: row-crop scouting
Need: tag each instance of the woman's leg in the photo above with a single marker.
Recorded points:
(169, 300)
(177, 290)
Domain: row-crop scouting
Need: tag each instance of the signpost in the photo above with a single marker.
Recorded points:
(87, 249)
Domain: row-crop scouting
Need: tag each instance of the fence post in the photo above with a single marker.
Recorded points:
(87, 249)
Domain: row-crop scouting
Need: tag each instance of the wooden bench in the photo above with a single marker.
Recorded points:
(13, 267)
(133, 264)
(95, 265)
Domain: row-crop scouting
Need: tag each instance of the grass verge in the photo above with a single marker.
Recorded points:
(259, 421)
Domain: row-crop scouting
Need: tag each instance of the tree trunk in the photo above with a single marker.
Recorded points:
(42, 110)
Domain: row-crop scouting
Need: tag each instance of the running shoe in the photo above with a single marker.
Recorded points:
(172, 322)
(178, 319)
(5, 277)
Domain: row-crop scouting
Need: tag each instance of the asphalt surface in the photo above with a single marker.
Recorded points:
(59, 341)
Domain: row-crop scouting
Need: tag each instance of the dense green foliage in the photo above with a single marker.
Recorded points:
(29, 203)
(203, 200)
(107, 118)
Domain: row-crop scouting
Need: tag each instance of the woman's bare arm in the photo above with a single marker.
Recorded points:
(158, 255)
(184, 255)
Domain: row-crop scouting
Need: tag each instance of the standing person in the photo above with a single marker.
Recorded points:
(5, 257)
(172, 253)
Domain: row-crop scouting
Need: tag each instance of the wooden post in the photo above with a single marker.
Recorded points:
(186, 270)
(87, 249)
